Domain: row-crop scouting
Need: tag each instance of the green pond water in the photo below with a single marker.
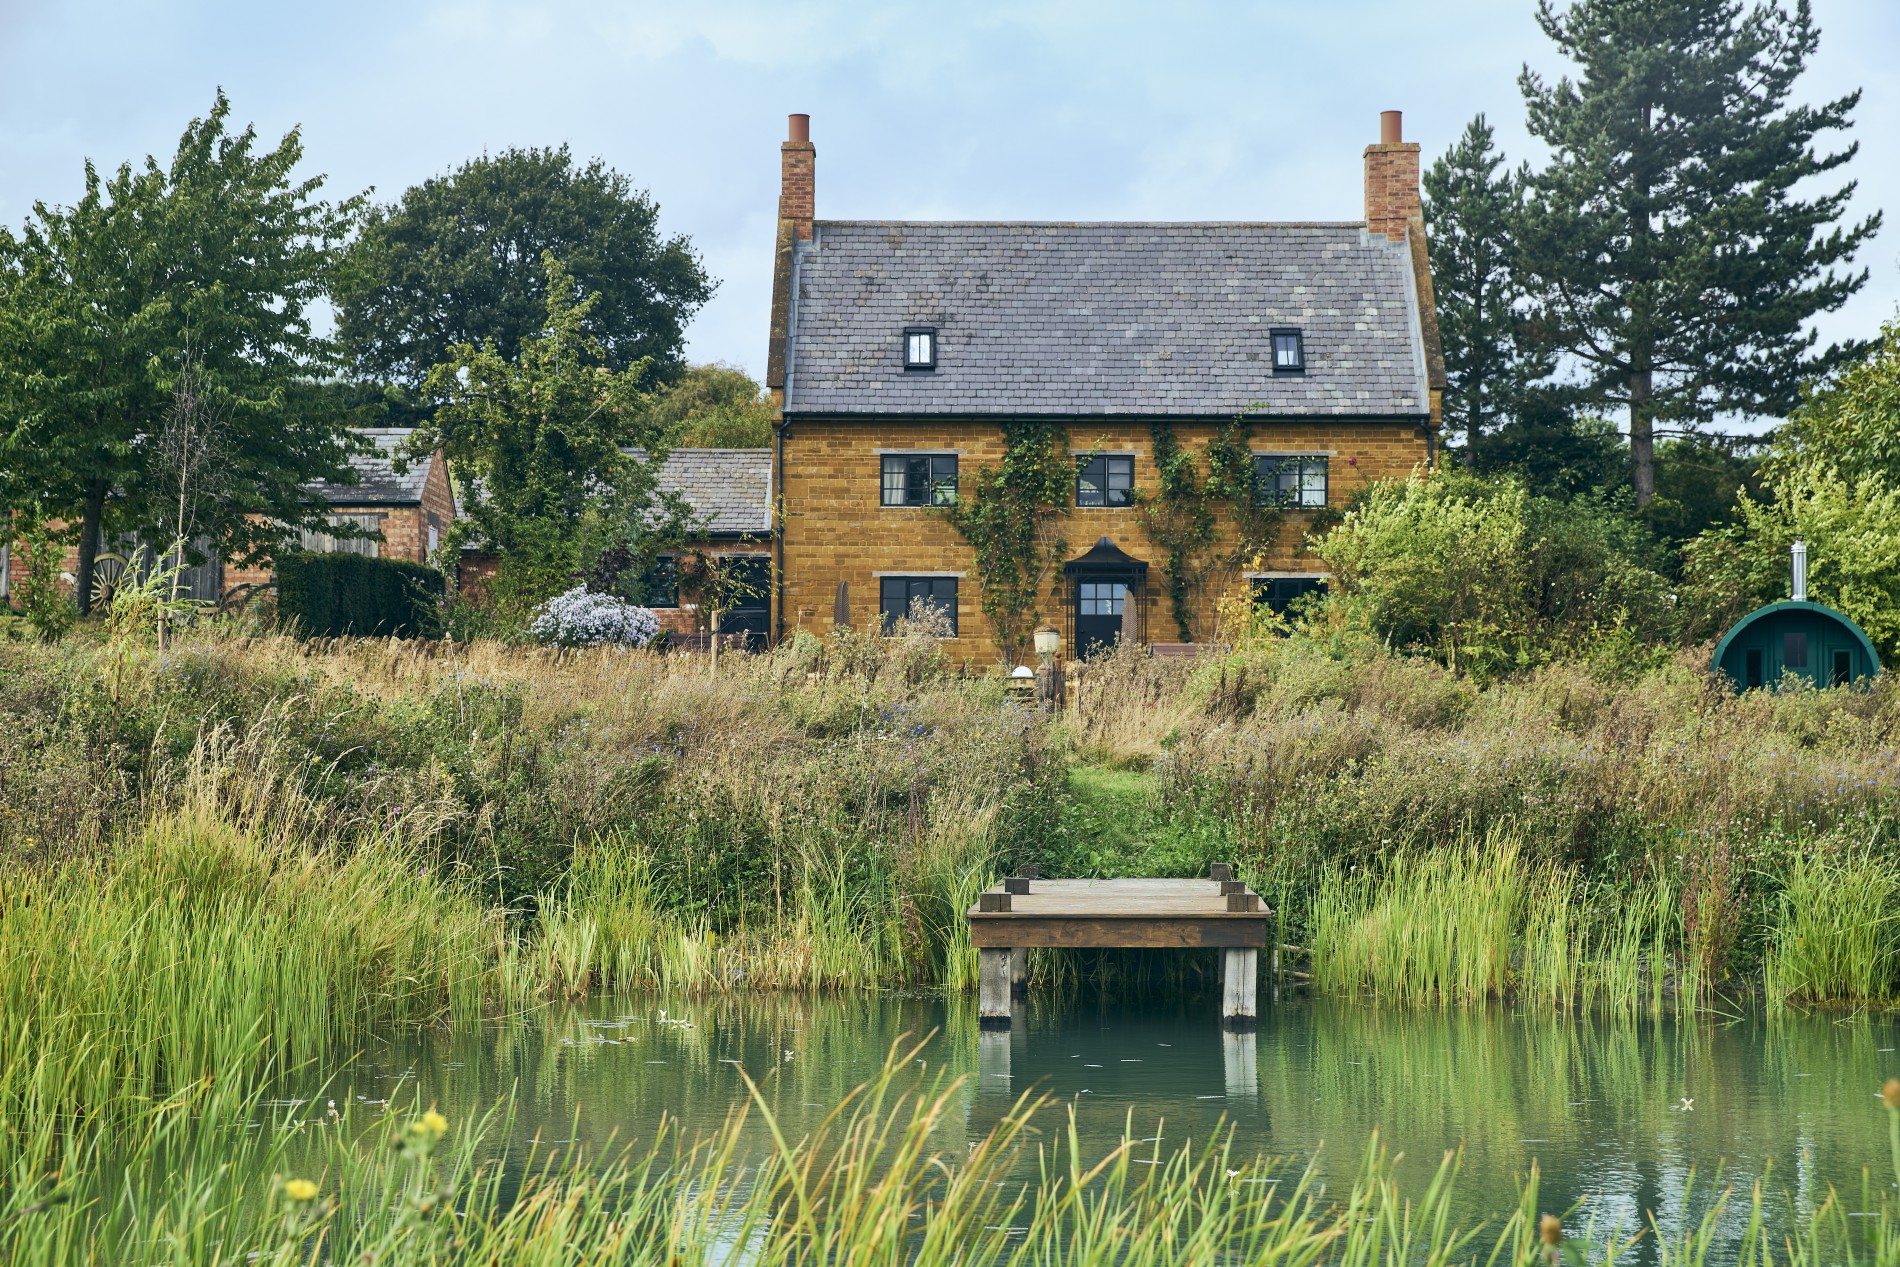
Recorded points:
(1618, 1114)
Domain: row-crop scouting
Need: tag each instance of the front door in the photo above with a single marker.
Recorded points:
(1098, 615)
(751, 614)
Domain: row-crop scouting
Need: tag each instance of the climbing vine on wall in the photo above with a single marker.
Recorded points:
(1177, 517)
(1182, 515)
(1011, 515)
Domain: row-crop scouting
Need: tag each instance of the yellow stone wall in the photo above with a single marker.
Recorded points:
(836, 530)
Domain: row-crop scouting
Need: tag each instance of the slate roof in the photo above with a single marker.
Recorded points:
(1149, 320)
(377, 483)
(730, 488)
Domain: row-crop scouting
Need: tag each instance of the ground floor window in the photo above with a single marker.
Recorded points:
(1280, 593)
(662, 582)
(896, 594)
(317, 541)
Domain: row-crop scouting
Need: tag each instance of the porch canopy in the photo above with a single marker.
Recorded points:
(1106, 561)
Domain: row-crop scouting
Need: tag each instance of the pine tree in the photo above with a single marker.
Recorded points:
(1665, 247)
(1468, 205)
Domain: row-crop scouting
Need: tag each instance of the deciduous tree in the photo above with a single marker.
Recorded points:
(551, 447)
(457, 261)
(221, 251)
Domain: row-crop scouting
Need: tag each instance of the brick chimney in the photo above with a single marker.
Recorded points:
(797, 204)
(1391, 180)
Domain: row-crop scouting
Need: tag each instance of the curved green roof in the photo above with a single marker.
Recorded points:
(1790, 606)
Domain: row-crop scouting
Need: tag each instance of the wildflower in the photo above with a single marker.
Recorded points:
(1551, 1229)
(435, 1124)
(300, 1189)
(1890, 1094)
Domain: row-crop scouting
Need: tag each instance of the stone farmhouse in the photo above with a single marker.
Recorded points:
(899, 349)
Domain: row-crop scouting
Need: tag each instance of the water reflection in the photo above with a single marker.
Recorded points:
(1617, 1114)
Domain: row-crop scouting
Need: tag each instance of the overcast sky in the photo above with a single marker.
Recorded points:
(955, 108)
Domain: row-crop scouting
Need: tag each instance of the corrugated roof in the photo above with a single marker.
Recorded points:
(730, 489)
(377, 483)
(1132, 319)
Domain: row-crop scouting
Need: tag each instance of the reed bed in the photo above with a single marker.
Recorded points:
(889, 1177)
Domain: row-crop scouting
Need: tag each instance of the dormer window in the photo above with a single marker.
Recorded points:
(1289, 352)
(920, 348)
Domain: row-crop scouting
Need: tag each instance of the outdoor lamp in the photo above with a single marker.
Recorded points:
(1048, 642)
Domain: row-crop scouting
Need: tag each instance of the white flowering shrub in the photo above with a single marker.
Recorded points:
(583, 618)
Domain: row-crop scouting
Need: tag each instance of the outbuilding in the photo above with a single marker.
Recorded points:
(1803, 638)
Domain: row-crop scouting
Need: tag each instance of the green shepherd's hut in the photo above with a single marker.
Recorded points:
(1796, 636)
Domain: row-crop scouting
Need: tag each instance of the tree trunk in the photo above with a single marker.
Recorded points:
(1642, 437)
(89, 519)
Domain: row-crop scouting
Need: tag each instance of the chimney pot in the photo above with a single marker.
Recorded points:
(801, 127)
(1392, 200)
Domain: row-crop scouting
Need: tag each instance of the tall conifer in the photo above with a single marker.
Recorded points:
(1469, 203)
(1665, 245)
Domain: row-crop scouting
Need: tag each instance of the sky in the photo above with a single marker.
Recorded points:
(949, 109)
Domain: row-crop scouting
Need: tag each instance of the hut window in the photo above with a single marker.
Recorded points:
(1794, 650)
(1754, 667)
(1843, 667)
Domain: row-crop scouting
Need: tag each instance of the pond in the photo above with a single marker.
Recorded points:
(1620, 1115)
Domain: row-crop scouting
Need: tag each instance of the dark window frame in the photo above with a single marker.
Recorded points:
(934, 488)
(909, 333)
(893, 607)
(1274, 335)
(1267, 469)
(1301, 587)
(1105, 489)
(662, 584)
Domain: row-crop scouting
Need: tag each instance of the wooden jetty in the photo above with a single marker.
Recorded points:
(1219, 912)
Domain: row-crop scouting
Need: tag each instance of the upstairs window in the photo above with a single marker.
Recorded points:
(1105, 480)
(920, 348)
(1289, 352)
(920, 479)
(1289, 482)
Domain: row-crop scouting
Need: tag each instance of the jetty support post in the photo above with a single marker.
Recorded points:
(993, 987)
(1240, 1060)
(1240, 972)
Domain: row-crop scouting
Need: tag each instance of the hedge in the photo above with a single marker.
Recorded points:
(330, 595)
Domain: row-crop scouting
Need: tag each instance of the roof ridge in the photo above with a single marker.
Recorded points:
(1113, 224)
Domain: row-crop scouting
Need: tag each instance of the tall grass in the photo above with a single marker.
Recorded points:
(1475, 922)
(890, 1176)
(200, 952)
(1838, 935)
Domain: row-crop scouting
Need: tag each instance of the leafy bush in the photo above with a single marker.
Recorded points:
(584, 618)
(337, 595)
(1487, 577)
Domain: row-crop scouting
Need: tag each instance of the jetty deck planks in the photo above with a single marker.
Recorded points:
(1155, 914)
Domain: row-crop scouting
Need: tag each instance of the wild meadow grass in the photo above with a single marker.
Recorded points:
(223, 862)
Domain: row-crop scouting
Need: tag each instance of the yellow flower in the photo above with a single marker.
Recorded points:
(1890, 1094)
(300, 1189)
(1551, 1229)
(435, 1124)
